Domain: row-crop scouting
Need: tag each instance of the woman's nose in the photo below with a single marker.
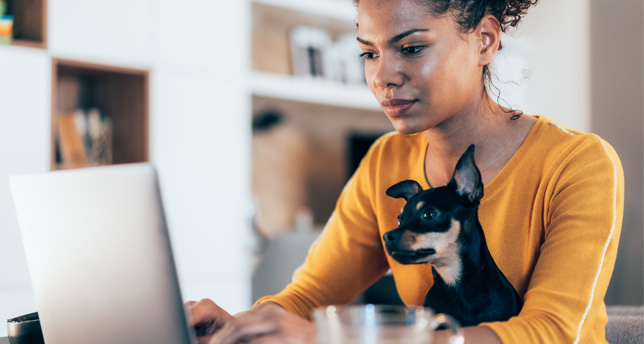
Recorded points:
(387, 73)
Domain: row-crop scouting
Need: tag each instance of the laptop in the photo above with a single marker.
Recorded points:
(99, 256)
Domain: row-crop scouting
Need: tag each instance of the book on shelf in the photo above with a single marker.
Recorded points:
(6, 23)
(308, 49)
(345, 63)
(6, 29)
(83, 138)
(70, 143)
(315, 53)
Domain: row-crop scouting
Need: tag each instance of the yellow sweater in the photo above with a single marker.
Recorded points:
(552, 219)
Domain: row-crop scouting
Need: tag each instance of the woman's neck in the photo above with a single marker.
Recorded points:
(496, 137)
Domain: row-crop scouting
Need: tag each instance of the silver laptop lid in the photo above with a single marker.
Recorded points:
(99, 256)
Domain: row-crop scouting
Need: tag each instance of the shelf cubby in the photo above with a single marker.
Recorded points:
(121, 94)
(29, 23)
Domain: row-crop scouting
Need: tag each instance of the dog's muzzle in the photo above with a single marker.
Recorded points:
(403, 254)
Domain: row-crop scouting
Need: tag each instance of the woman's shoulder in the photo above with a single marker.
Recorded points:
(560, 144)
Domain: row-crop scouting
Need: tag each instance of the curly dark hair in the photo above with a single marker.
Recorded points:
(468, 13)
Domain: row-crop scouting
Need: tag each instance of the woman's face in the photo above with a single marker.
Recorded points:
(421, 68)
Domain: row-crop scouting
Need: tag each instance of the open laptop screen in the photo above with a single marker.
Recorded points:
(99, 256)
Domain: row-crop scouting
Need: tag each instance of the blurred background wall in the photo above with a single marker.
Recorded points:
(616, 79)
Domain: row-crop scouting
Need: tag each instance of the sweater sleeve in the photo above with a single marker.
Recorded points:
(346, 258)
(582, 221)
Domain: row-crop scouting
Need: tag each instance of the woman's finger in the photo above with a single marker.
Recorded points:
(266, 323)
(201, 311)
(206, 318)
(245, 330)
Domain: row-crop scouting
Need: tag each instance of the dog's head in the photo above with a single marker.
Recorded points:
(431, 222)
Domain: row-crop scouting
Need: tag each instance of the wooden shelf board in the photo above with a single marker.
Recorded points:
(333, 9)
(92, 66)
(28, 44)
(310, 90)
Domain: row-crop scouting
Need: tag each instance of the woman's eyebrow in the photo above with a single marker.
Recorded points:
(396, 38)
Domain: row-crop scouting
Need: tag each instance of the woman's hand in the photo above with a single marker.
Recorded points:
(265, 323)
(207, 318)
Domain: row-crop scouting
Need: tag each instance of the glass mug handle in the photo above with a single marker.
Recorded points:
(453, 325)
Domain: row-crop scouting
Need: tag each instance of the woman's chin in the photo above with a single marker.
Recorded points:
(404, 129)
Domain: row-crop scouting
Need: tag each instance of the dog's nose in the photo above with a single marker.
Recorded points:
(391, 236)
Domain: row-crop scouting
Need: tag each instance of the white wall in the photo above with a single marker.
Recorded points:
(201, 143)
(116, 33)
(24, 147)
(552, 44)
(197, 55)
(618, 117)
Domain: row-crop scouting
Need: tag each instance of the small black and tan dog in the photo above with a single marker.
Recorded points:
(440, 226)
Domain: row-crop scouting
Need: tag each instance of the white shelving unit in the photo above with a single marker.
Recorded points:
(332, 15)
(328, 112)
(313, 90)
(335, 9)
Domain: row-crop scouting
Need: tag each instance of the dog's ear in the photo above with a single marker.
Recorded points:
(404, 189)
(467, 178)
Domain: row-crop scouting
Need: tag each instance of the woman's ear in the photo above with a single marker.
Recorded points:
(489, 32)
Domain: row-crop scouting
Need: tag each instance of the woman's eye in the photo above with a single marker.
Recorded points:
(430, 214)
(412, 50)
(368, 55)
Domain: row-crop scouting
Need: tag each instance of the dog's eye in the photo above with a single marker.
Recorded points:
(430, 214)
(398, 221)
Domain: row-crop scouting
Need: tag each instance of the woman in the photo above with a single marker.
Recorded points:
(553, 199)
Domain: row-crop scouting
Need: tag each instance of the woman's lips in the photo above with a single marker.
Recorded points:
(397, 107)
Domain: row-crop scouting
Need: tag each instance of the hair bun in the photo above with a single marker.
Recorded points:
(513, 11)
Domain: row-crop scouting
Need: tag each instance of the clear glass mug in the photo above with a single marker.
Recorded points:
(381, 324)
